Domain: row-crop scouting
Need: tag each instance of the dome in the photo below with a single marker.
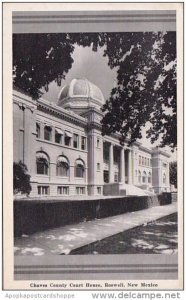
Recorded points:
(80, 93)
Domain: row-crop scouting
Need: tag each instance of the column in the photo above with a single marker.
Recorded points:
(122, 165)
(129, 167)
(111, 164)
(53, 135)
(168, 177)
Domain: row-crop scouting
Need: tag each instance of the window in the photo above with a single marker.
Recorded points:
(106, 176)
(80, 190)
(164, 165)
(47, 133)
(148, 162)
(76, 141)
(164, 178)
(79, 168)
(62, 167)
(83, 143)
(139, 176)
(42, 163)
(58, 136)
(63, 190)
(98, 143)
(144, 177)
(149, 178)
(68, 137)
(115, 176)
(143, 160)
(99, 190)
(98, 166)
(140, 160)
(38, 133)
(43, 190)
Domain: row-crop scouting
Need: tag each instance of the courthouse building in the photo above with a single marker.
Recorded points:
(65, 153)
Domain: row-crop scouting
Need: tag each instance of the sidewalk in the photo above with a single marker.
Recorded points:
(62, 240)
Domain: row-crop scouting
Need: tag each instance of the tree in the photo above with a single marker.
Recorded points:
(146, 89)
(21, 179)
(146, 80)
(39, 59)
(173, 173)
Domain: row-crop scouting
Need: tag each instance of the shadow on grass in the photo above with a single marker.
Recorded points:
(158, 237)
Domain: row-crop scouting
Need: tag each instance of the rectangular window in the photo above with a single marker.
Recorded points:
(38, 133)
(43, 190)
(68, 137)
(80, 190)
(58, 136)
(148, 162)
(98, 166)
(99, 190)
(63, 190)
(47, 133)
(76, 141)
(83, 143)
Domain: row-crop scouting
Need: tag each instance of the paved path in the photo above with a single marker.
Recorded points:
(62, 240)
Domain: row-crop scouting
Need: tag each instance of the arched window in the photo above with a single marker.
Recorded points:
(47, 133)
(42, 163)
(38, 133)
(149, 177)
(79, 168)
(144, 177)
(164, 178)
(139, 176)
(62, 167)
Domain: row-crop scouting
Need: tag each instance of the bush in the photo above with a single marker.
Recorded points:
(21, 179)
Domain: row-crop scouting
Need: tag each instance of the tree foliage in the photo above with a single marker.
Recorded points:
(173, 173)
(146, 77)
(21, 179)
(146, 89)
(39, 59)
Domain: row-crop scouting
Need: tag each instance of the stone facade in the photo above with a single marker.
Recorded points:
(66, 155)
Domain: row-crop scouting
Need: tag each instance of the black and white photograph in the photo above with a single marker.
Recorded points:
(95, 148)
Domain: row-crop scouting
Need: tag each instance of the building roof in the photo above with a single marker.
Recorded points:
(83, 89)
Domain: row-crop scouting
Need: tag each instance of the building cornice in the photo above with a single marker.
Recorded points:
(157, 150)
(142, 148)
(61, 113)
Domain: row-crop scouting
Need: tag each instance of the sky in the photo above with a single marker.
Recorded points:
(90, 65)
(94, 67)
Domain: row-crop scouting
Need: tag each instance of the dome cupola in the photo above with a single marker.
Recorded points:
(80, 95)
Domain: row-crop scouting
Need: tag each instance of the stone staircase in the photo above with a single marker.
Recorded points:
(131, 190)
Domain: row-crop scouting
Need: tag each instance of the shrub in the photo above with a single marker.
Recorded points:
(21, 179)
